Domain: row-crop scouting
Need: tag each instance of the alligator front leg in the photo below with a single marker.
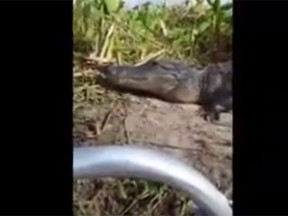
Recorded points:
(209, 113)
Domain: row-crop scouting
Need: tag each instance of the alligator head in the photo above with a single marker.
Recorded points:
(167, 80)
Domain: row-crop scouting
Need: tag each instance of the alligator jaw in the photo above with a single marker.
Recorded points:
(140, 78)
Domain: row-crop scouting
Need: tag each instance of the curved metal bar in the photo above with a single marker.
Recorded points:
(139, 162)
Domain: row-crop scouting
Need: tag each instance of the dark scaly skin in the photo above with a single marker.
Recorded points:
(216, 90)
(210, 87)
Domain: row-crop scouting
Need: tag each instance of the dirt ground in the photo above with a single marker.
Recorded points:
(174, 128)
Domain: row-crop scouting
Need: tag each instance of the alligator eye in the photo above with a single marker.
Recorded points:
(154, 63)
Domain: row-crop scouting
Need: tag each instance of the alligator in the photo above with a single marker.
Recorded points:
(210, 87)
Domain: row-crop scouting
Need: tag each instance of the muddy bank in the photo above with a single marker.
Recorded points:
(172, 127)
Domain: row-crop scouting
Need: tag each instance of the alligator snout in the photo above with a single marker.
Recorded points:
(111, 71)
(119, 75)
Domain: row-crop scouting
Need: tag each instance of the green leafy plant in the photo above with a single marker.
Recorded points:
(111, 31)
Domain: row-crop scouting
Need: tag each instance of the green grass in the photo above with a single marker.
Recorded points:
(107, 32)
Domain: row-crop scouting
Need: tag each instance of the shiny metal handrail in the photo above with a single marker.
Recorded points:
(139, 162)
